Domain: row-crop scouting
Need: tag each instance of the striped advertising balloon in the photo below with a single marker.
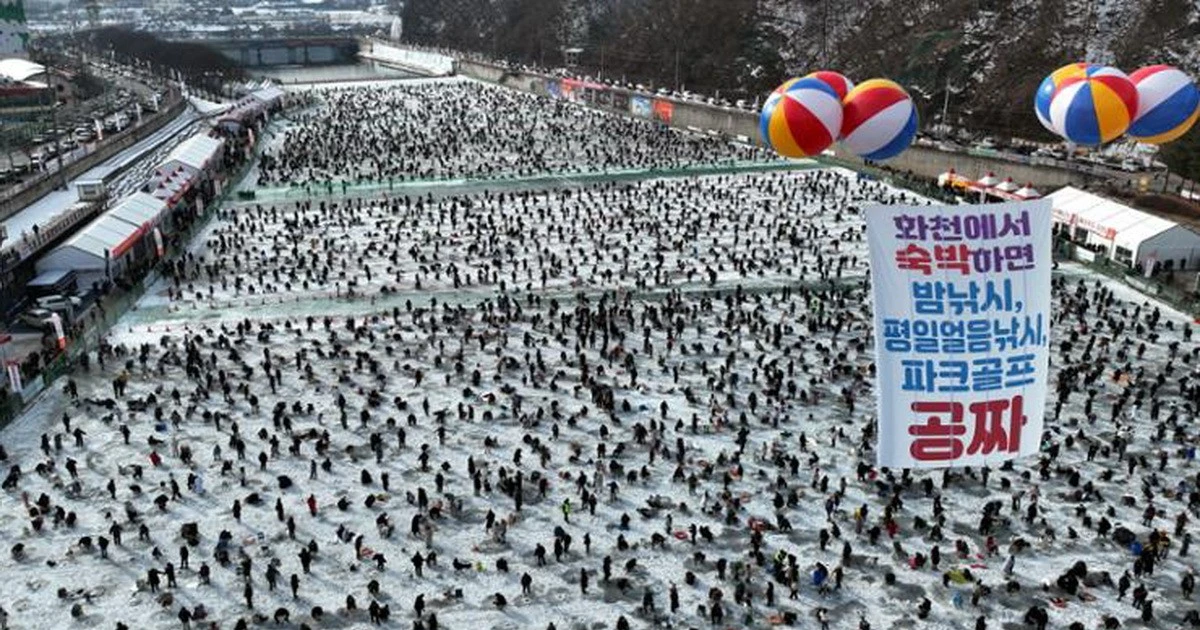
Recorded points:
(1095, 109)
(801, 118)
(840, 84)
(1168, 104)
(880, 120)
(1050, 86)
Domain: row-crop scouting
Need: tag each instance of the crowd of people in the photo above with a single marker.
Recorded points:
(465, 129)
(612, 405)
(757, 229)
(693, 457)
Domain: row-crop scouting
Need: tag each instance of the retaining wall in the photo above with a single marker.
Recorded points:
(417, 61)
(922, 161)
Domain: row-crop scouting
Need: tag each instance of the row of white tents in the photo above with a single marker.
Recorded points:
(134, 227)
(1125, 235)
(1101, 226)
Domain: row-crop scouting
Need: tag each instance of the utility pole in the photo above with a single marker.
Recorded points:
(824, 33)
(946, 105)
(62, 174)
(677, 69)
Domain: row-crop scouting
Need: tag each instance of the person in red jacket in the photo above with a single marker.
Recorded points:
(312, 504)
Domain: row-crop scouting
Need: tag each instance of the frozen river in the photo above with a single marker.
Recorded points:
(642, 404)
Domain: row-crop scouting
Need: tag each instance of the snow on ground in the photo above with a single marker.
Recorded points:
(588, 388)
(489, 373)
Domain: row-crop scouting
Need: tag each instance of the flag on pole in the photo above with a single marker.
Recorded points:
(14, 376)
(60, 338)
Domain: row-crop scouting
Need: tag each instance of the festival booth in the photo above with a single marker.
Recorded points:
(109, 245)
(187, 168)
(171, 183)
(1126, 235)
(246, 112)
(952, 180)
(200, 152)
(988, 188)
(1028, 192)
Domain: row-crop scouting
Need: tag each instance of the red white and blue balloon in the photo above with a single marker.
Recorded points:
(801, 118)
(1168, 104)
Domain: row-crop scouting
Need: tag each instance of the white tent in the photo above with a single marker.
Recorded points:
(1124, 234)
(139, 209)
(105, 243)
(988, 181)
(198, 152)
(18, 70)
(269, 94)
(1007, 186)
(1028, 192)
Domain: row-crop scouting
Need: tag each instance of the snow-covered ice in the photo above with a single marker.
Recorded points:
(654, 396)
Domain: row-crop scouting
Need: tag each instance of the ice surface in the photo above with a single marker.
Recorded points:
(501, 369)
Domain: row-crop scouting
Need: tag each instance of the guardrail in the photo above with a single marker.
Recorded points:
(21, 246)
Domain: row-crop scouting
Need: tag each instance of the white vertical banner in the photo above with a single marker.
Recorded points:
(158, 242)
(14, 376)
(60, 338)
(99, 129)
(1150, 264)
(962, 331)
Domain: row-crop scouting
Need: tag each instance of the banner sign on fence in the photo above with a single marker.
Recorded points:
(962, 327)
(620, 101)
(640, 106)
(571, 89)
(663, 110)
(60, 336)
(14, 375)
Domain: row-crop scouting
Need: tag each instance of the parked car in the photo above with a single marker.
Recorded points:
(38, 318)
(61, 303)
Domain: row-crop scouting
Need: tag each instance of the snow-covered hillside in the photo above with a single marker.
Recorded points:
(991, 53)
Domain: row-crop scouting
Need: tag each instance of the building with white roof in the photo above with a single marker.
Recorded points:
(1126, 235)
(17, 70)
(105, 246)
